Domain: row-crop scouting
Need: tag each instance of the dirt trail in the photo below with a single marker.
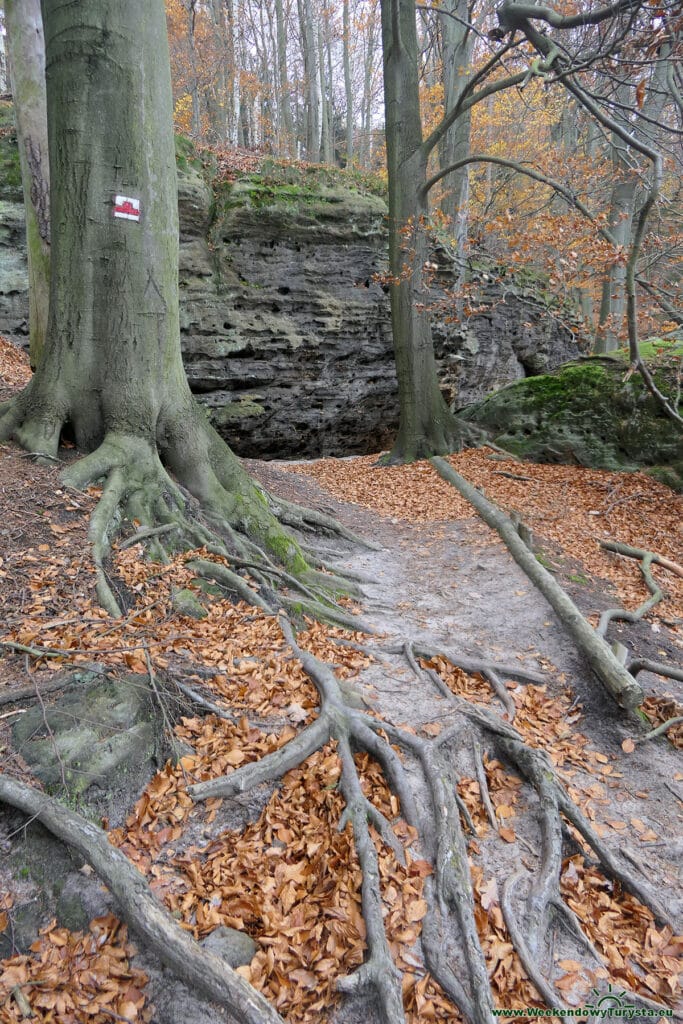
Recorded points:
(454, 585)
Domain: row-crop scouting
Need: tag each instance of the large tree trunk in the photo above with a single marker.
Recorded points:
(27, 49)
(112, 367)
(426, 425)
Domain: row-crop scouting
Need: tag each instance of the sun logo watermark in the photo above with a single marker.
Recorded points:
(610, 1005)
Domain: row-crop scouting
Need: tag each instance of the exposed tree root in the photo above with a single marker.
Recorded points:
(640, 554)
(661, 729)
(543, 904)
(232, 516)
(532, 915)
(199, 968)
(351, 729)
(656, 595)
(619, 683)
(657, 667)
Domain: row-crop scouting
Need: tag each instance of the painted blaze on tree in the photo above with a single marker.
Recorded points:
(112, 368)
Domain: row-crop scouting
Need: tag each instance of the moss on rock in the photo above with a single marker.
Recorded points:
(590, 413)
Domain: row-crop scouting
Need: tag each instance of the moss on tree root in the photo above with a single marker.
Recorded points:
(231, 516)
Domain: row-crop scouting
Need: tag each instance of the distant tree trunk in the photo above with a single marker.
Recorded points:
(324, 106)
(219, 108)
(370, 37)
(619, 222)
(27, 48)
(348, 87)
(3, 62)
(194, 84)
(312, 106)
(426, 425)
(232, 77)
(286, 124)
(623, 201)
(456, 51)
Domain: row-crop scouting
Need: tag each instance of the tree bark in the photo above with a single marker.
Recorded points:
(312, 104)
(27, 49)
(426, 425)
(286, 123)
(456, 44)
(200, 968)
(112, 367)
(348, 87)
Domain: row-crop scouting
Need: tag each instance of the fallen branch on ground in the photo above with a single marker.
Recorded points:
(640, 553)
(656, 595)
(615, 678)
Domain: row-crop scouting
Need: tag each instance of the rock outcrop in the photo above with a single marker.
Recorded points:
(591, 413)
(285, 327)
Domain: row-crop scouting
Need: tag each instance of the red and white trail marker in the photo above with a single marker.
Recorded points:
(126, 208)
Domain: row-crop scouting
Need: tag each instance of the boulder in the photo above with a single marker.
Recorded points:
(591, 413)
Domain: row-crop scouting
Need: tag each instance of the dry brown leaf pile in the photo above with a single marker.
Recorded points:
(14, 365)
(574, 507)
(641, 956)
(72, 976)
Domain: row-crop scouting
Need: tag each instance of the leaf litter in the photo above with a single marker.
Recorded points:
(290, 878)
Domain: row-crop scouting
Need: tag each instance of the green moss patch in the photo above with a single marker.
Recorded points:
(590, 413)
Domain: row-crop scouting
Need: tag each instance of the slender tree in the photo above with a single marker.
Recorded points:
(27, 51)
(564, 49)
(426, 425)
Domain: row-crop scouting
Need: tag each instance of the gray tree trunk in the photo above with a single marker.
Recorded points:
(426, 425)
(286, 123)
(221, 93)
(366, 105)
(112, 367)
(456, 43)
(194, 88)
(324, 107)
(348, 87)
(25, 36)
(623, 202)
(310, 56)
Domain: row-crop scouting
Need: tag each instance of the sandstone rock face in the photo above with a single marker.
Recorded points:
(285, 337)
(285, 330)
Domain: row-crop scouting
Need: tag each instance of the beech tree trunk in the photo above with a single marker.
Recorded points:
(286, 122)
(27, 48)
(112, 367)
(348, 87)
(456, 50)
(426, 425)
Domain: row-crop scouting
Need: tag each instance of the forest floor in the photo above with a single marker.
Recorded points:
(273, 862)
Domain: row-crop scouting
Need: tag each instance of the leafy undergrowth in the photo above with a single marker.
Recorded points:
(572, 506)
(289, 877)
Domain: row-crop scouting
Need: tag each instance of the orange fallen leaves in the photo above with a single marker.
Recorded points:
(14, 364)
(76, 976)
(569, 505)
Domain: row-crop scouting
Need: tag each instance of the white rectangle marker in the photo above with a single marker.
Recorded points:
(127, 208)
